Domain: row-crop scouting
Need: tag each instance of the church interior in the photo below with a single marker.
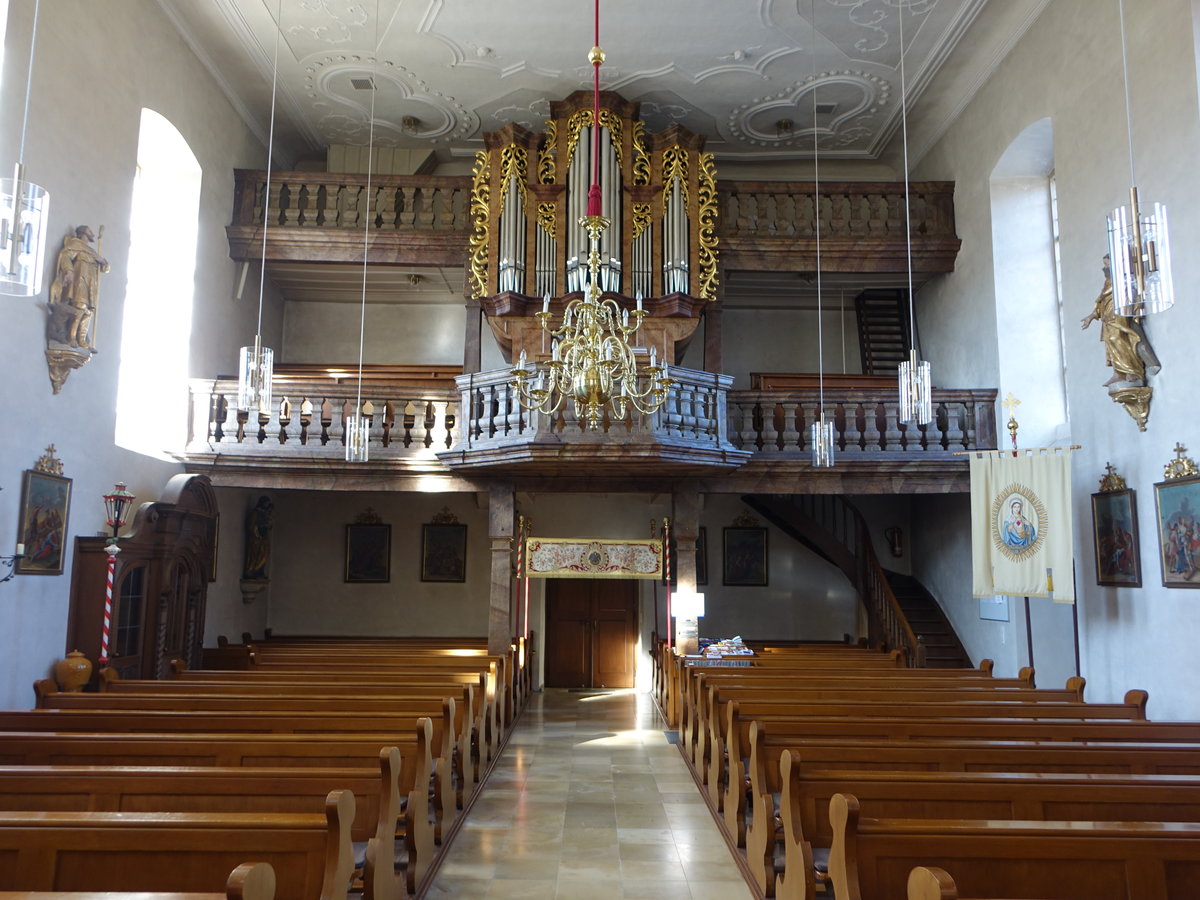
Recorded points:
(429, 212)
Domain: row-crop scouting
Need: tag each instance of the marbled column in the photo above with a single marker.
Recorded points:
(501, 515)
(713, 355)
(472, 350)
(685, 526)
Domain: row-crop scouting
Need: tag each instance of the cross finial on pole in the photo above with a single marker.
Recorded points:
(1011, 403)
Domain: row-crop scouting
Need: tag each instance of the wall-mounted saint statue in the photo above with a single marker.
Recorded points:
(74, 299)
(1127, 352)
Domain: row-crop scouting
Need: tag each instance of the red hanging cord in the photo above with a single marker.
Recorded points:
(593, 205)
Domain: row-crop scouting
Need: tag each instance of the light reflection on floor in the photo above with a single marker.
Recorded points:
(590, 801)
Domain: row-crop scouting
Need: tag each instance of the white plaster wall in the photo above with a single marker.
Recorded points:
(89, 85)
(308, 593)
(756, 340)
(1067, 67)
(417, 333)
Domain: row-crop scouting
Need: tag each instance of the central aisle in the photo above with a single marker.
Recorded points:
(590, 802)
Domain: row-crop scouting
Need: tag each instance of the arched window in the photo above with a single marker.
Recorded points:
(152, 396)
(1028, 304)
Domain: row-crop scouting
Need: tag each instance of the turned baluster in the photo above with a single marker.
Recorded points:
(306, 409)
(387, 208)
(443, 204)
(408, 207)
(328, 216)
(285, 418)
(870, 420)
(791, 433)
(289, 205)
(349, 206)
(425, 210)
(219, 418)
(954, 437)
(892, 436)
(389, 422)
(326, 421)
(408, 422)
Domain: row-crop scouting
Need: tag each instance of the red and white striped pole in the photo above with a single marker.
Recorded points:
(116, 505)
(667, 575)
(112, 550)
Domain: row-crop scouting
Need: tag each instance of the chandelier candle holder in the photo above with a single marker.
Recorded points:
(916, 392)
(1138, 241)
(116, 507)
(592, 361)
(24, 211)
(256, 365)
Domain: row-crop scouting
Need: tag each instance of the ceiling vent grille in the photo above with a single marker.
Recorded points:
(363, 84)
(826, 109)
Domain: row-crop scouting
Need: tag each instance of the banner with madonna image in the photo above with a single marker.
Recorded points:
(1021, 525)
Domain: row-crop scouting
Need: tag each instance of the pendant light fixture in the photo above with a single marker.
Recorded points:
(821, 438)
(916, 401)
(358, 423)
(1138, 243)
(24, 211)
(256, 364)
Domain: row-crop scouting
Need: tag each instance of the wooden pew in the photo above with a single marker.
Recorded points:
(475, 717)
(957, 795)
(249, 881)
(245, 750)
(224, 790)
(932, 883)
(416, 702)
(69, 851)
(728, 745)
(871, 858)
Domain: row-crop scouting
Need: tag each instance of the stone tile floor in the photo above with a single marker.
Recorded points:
(589, 800)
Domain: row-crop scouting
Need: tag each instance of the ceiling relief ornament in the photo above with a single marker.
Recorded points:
(343, 111)
(859, 97)
(870, 15)
(338, 21)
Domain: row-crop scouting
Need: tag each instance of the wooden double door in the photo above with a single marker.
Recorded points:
(591, 633)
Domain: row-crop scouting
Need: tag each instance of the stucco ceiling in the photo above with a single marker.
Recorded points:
(731, 70)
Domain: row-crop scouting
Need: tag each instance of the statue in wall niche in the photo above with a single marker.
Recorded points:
(1127, 352)
(74, 298)
(259, 520)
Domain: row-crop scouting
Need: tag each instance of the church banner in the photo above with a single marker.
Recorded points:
(585, 558)
(1021, 525)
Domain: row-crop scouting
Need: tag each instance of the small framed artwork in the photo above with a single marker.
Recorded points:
(1178, 507)
(443, 552)
(701, 560)
(745, 556)
(1115, 538)
(45, 502)
(368, 553)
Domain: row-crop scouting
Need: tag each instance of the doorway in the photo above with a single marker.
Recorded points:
(591, 632)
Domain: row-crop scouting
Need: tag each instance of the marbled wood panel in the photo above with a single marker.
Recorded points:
(410, 248)
(930, 256)
(501, 516)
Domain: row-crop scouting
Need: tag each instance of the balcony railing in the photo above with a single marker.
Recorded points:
(480, 424)
(334, 200)
(777, 422)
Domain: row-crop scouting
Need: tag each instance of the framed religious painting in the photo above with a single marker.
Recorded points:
(443, 552)
(745, 556)
(1115, 538)
(368, 553)
(42, 528)
(1177, 504)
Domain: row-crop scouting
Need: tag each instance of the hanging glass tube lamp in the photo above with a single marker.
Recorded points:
(1140, 249)
(256, 368)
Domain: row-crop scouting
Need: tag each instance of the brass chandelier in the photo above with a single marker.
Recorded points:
(592, 361)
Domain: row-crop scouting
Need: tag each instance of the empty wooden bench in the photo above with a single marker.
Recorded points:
(70, 851)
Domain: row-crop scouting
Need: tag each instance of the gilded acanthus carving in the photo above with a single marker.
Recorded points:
(480, 196)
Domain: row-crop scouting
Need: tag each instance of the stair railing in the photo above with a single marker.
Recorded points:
(848, 546)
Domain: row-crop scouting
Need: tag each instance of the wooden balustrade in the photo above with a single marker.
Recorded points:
(333, 200)
(865, 421)
(415, 413)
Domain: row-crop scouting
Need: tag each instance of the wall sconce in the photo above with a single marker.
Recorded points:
(895, 539)
(11, 562)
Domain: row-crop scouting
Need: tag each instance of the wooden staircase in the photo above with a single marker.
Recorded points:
(883, 333)
(943, 649)
(901, 613)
